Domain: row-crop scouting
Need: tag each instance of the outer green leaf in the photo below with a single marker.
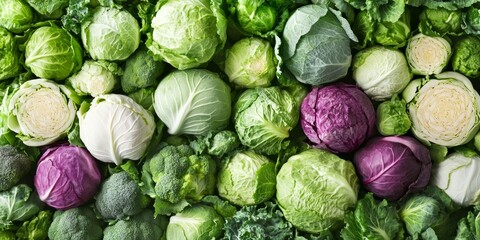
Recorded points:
(18, 204)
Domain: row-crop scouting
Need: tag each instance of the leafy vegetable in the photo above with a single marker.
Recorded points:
(316, 43)
(388, 11)
(197, 222)
(49, 8)
(471, 23)
(392, 117)
(435, 4)
(114, 128)
(66, 177)
(75, 223)
(9, 55)
(392, 167)
(15, 15)
(14, 165)
(201, 102)
(315, 189)
(337, 117)
(216, 144)
(440, 22)
(468, 227)
(18, 204)
(466, 56)
(36, 228)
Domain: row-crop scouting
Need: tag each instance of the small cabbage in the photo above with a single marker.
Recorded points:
(392, 167)
(9, 55)
(40, 112)
(471, 20)
(198, 222)
(66, 177)
(95, 78)
(246, 178)
(141, 71)
(316, 45)
(458, 175)
(115, 128)
(49, 8)
(110, 34)
(440, 22)
(264, 118)
(428, 55)
(53, 53)
(392, 117)
(337, 117)
(250, 63)
(444, 110)
(381, 72)
(187, 33)
(387, 10)
(193, 101)
(466, 56)
(15, 15)
(315, 189)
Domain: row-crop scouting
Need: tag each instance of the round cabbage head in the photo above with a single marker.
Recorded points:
(110, 34)
(264, 117)
(15, 15)
(444, 110)
(466, 56)
(196, 222)
(9, 55)
(316, 45)
(40, 112)
(246, 178)
(187, 33)
(392, 117)
(337, 117)
(114, 128)
(53, 53)
(471, 20)
(428, 55)
(392, 167)
(440, 22)
(250, 63)
(95, 78)
(315, 189)
(66, 177)
(381, 72)
(193, 101)
(458, 175)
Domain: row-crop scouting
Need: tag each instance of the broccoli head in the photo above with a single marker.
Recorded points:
(14, 165)
(75, 224)
(119, 197)
(142, 226)
(179, 175)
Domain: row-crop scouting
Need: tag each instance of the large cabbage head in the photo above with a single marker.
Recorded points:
(187, 33)
(316, 45)
(315, 189)
(40, 112)
(444, 110)
(15, 15)
(114, 128)
(9, 55)
(337, 117)
(391, 167)
(110, 34)
(53, 53)
(264, 117)
(193, 101)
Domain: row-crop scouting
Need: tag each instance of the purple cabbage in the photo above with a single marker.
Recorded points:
(66, 177)
(392, 167)
(338, 117)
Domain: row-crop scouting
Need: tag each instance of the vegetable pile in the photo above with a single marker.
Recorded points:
(235, 119)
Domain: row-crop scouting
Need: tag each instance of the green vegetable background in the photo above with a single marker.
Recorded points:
(239, 119)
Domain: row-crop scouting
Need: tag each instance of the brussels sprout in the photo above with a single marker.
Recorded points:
(264, 117)
(193, 101)
(40, 112)
(187, 33)
(428, 55)
(381, 72)
(141, 71)
(440, 22)
(392, 117)
(115, 128)
(246, 178)
(95, 78)
(15, 15)
(250, 63)
(9, 55)
(466, 56)
(444, 110)
(315, 189)
(53, 53)
(110, 34)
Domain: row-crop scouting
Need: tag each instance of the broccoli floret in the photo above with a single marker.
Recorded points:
(179, 175)
(140, 227)
(75, 224)
(119, 197)
(14, 165)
